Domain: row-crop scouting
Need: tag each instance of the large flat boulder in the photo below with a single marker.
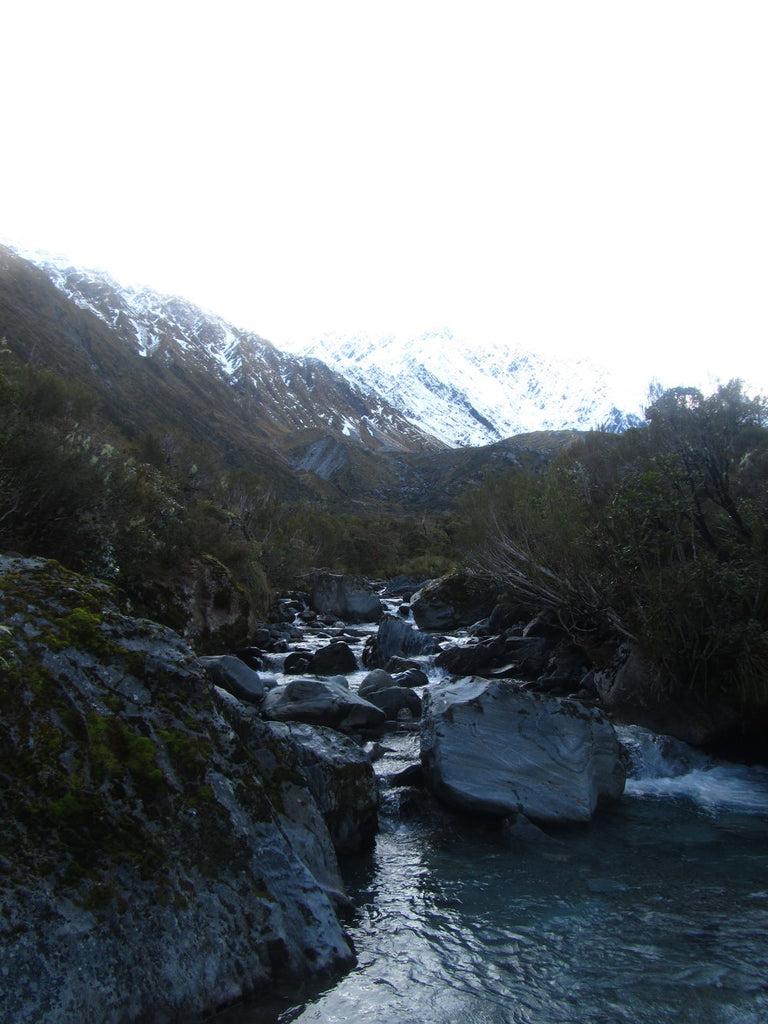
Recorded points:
(489, 746)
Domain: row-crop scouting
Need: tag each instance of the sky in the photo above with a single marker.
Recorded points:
(581, 177)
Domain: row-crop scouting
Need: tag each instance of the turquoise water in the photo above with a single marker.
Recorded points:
(657, 911)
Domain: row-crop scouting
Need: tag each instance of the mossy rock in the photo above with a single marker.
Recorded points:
(135, 824)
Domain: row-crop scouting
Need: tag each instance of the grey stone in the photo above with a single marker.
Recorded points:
(333, 659)
(233, 675)
(488, 746)
(395, 700)
(348, 598)
(377, 679)
(204, 886)
(321, 702)
(396, 638)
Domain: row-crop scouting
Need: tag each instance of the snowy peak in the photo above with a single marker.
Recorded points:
(480, 392)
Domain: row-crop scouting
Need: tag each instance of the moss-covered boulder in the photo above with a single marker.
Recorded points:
(201, 600)
(458, 599)
(146, 870)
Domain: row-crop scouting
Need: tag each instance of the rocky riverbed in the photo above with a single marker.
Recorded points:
(171, 824)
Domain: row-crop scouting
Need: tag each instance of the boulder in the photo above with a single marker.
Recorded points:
(341, 779)
(321, 702)
(297, 662)
(490, 747)
(397, 702)
(474, 658)
(453, 601)
(411, 677)
(233, 675)
(202, 602)
(334, 659)
(345, 597)
(377, 679)
(145, 873)
(635, 692)
(396, 638)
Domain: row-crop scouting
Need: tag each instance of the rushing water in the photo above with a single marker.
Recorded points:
(657, 911)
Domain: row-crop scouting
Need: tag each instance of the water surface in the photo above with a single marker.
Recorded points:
(656, 911)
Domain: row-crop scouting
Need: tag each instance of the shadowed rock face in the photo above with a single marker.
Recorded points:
(152, 866)
(346, 597)
(455, 600)
(488, 746)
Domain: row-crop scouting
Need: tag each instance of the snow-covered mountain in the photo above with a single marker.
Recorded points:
(461, 392)
(480, 392)
(289, 393)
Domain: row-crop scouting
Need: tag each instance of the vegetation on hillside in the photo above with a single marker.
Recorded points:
(658, 535)
(72, 488)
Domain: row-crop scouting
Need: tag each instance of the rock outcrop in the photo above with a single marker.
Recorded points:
(154, 867)
(490, 747)
(634, 691)
(340, 777)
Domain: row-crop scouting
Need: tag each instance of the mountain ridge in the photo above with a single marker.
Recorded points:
(478, 393)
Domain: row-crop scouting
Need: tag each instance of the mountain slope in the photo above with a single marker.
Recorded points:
(284, 393)
(475, 394)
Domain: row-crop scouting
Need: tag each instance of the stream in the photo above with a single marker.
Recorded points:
(656, 911)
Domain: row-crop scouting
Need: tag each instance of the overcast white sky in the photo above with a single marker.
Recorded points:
(588, 176)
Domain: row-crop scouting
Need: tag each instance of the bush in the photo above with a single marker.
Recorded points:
(658, 535)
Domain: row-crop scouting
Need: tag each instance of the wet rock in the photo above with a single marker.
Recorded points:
(474, 658)
(297, 662)
(396, 666)
(411, 677)
(233, 675)
(395, 700)
(335, 659)
(377, 679)
(341, 779)
(396, 639)
(488, 746)
(321, 702)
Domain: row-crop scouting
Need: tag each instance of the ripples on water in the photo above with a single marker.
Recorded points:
(655, 912)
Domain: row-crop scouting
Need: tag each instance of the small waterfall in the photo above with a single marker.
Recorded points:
(653, 756)
(661, 766)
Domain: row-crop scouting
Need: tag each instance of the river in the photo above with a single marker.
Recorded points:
(657, 911)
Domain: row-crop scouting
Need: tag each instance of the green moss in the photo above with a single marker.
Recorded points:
(115, 749)
(188, 753)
